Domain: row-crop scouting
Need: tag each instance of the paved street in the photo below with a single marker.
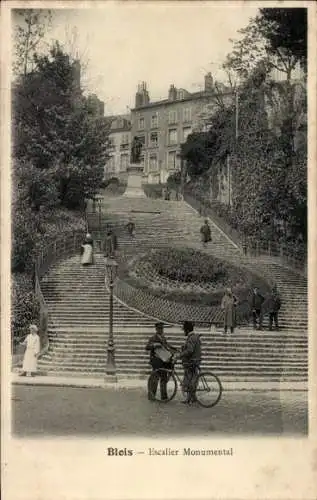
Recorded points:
(60, 411)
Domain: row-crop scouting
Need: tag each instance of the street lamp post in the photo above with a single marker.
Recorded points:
(99, 199)
(111, 270)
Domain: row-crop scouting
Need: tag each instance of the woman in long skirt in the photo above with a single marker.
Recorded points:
(87, 257)
(32, 343)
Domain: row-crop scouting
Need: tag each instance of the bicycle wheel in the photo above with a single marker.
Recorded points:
(157, 379)
(209, 389)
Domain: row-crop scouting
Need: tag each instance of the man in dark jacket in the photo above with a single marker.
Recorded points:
(110, 243)
(131, 227)
(191, 359)
(205, 232)
(274, 305)
(256, 306)
(155, 345)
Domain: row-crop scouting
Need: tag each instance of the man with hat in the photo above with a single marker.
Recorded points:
(160, 357)
(191, 359)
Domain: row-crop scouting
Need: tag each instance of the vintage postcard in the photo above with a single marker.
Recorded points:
(158, 250)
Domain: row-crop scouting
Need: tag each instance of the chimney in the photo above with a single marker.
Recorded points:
(138, 97)
(209, 83)
(172, 93)
(146, 96)
(142, 97)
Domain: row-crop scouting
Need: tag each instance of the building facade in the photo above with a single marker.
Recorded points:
(162, 126)
(119, 147)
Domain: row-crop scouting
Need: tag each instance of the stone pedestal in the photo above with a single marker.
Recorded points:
(134, 186)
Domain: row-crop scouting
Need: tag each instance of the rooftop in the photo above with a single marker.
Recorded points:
(189, 97)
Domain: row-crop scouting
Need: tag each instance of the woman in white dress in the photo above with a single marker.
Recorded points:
(32, 343)
(87, 253)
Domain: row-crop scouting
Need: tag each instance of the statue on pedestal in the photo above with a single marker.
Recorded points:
(136, 150)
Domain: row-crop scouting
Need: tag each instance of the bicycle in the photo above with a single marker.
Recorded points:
(208, 391)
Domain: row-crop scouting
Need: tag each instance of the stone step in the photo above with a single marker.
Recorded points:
(286, 357)
(143, 375)
(239, 373)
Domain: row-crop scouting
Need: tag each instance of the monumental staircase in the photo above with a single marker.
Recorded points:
(77, 298)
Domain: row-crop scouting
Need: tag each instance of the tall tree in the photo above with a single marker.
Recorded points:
(285, 31)
(56, 133)
(30, 25)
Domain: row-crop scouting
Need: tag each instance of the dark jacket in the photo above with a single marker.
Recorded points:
(273, 303)
(205, 232)
(157, 339)
(110, 245)
(191, 351)
(130, 227)
(257, 301)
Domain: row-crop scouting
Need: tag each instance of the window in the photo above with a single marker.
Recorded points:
(110, 167)
(186, 132)
(124, 162)
(172, 136)
(187, 115)
(141, 138)
(180, 95)
(124, 141)
(154, 139)
(153, 162)
(141, 123)
(171, 160)
(154, 121)
(172, 117)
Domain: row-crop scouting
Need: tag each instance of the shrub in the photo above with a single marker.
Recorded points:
(190, 266)
(24, 306)
(192, 277)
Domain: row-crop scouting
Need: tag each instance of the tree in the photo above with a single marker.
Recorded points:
(276, 38)
(31, 26)
(55, 132)
(285, 31)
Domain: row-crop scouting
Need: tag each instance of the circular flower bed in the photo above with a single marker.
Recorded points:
(191, 266)
(187, 275)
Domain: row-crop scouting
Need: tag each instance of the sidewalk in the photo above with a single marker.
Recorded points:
(126, 383)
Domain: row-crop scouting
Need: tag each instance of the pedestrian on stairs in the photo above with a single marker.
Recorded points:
(205, 232)
(274, 304)
(228, 305)
(87, 252)
(256, 305)
(160, 357)
(110, 244)
(131, 228)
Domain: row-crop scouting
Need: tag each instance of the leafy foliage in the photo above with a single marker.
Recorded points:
(25, 308)
(286, 30)
(192, 277)
(268, 157)
(191, 266)
(30, 26)
(61, 146)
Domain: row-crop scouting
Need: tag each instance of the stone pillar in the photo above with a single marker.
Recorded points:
(134, 187)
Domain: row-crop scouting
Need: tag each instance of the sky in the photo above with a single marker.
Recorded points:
(160, 43)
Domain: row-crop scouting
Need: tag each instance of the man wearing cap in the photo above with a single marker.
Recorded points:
(191, 359)
(159, 358)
